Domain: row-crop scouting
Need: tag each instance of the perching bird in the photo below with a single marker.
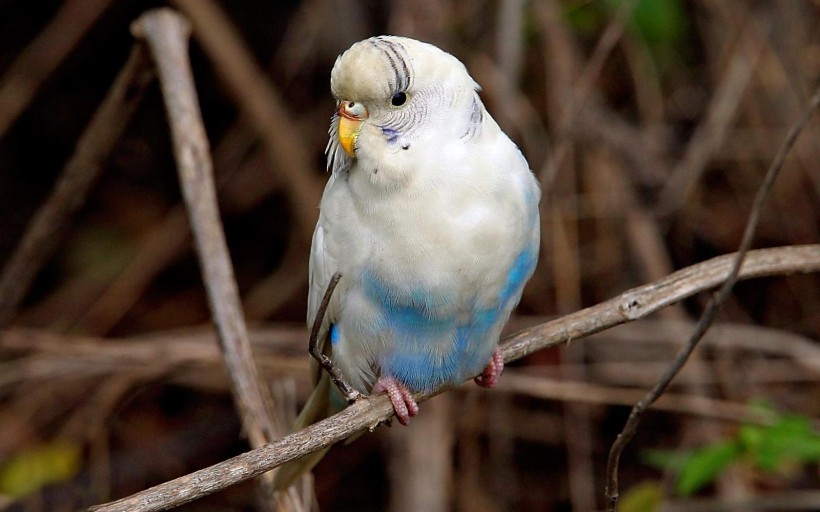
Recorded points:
(431, 216)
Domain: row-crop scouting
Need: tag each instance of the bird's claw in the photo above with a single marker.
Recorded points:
(492, 373)
(402, 399)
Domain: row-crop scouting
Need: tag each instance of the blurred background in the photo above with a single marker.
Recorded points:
(649, 123)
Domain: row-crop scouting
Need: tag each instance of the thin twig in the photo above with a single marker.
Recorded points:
(363, 414)
(709, 314)
(350, 394)
(77, 178)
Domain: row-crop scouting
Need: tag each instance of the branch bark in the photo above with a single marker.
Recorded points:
(367, 414)
(710, 312)
(166, 35)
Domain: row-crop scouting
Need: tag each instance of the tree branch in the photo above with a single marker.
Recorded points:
(712, 308)
(367, 414)
(166, 35)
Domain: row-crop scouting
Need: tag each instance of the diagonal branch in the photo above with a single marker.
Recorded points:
(367, 414)
(350, 394)
(712, 308)
(166, 35)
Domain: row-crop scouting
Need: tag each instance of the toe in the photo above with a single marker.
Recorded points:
(404, 405)
(492, 373)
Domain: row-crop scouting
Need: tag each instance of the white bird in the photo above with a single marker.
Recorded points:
(430, 215)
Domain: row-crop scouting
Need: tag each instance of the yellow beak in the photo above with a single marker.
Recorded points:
(349, 125)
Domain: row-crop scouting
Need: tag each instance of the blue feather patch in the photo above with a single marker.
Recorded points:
(414, 311)
(521, 270)
(432, 343)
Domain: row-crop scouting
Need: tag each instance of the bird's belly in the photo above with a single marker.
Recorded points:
(426, 297)
(424, 336)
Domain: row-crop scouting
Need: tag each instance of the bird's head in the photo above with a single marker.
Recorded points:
(395, 96)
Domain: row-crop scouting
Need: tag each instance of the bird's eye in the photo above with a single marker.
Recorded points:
(352, 110)
(398, 99)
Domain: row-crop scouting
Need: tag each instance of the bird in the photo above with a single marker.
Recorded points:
(430, 215)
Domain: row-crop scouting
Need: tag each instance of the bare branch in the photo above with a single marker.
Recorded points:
(335, 373)
(711, 311)
(166, 35)
(367, 414)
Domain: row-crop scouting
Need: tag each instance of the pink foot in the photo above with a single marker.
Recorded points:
(403, 402)
(492, 372)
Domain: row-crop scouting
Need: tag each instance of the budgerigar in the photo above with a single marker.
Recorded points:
(431, 216)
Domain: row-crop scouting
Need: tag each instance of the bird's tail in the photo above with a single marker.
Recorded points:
(323, 402)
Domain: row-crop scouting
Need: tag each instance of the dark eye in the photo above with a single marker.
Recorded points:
(398, 99)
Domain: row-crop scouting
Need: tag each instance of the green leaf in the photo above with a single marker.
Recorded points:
(646, 496)
(704, 464)
(790, 439)
(33, 468)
